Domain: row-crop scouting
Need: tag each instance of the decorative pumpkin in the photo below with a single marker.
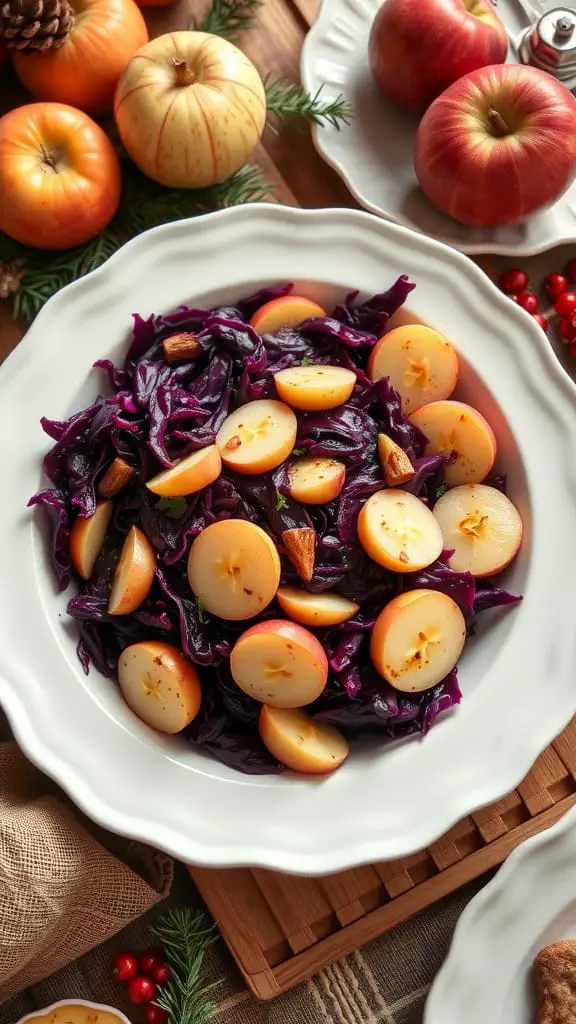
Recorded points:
(190, 109)
(84, 71)
(59, 176)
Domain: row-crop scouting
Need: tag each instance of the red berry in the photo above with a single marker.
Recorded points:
(565, 304)
(161, 974)
(541, 321)
(570, 270)
(125, 966)
(555, 284)
(513, 281)
(155, 1015)
(141, 990)
(528, 301)
(567, 329)
(150, 959)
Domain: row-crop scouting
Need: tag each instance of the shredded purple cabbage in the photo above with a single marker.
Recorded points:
(158, 412)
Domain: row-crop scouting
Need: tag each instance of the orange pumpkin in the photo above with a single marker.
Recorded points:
(59, 176)
(85, 70)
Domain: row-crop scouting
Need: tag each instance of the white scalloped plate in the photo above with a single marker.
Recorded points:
(517, 674)
(373, 155)
(531, 903)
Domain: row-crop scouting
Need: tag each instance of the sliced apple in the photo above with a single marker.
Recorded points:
(134, 574)
(160, 685)
(279, 663)
(285, 311)
(316, 481)
(421, 364)
(87, 538)
(195, 471)
(313, 388)
(300, 743)
(417, 639)
(234, 568)
(258, 436)
(482, 526)
(300, 545)
(325, 609)
(396, 465)
(456, 428)
(398, 531)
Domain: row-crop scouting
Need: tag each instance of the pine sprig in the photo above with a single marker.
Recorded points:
(185, 936)
(228, 18)
(288, 101)
(144, 204)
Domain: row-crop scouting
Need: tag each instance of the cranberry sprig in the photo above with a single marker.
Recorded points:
(559, 289)
(143, 976)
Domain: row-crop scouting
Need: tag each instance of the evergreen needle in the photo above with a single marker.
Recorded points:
(185, 936)
(228, 18)
(287, 100)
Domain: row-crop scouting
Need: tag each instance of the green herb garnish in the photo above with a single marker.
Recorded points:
(281, 501)
(174, 508)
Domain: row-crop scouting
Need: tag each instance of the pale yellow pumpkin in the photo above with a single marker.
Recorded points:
(190, 109)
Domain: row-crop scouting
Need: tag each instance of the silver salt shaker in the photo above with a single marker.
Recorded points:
(550, 44)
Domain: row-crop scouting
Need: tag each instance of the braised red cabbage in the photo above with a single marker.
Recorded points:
(155, 413)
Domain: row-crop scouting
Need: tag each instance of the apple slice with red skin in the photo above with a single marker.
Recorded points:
(257, 436)
(421, 363)
(417, 639)
(279, 663)
(301, 743)
(454, 428)
(188, 475)
(160, 685)
(481, 526)
(234, 568)
(315, 388)
(87, 537)
(324, 609)
(134, 574)
(398, 531)
(285, 311)
(316, 481)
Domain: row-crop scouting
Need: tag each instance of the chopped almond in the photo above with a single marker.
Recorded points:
(180, 347)
(396, 465)
(300, 545)
(115, 478)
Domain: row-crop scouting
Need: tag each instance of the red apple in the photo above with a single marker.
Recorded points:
(497, 145)
(418, 48)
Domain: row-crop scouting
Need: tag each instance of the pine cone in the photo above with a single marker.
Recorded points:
(36, 25)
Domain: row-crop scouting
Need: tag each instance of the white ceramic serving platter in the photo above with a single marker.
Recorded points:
(517, 674)
(76, 1011)
(487, 975)
(374, 153)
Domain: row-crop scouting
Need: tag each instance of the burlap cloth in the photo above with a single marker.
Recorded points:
(65, 887)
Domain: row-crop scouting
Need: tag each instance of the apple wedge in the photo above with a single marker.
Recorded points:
(417, 639)
(193, 473)
(285, 311)
(279, 663)
(160, 685)
(396, 465)
(481, 526)
(134, 574)
(454, 428)
(300, 545)
(421, 363)
(398, 531)
(300, 743)
(316, 481)
(258, 436)
(234, 568)
(314, 388)
(325, 609)
(87, 537)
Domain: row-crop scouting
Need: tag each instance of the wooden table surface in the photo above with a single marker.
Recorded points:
(289, 158)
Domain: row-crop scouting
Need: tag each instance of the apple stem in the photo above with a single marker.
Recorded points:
(183, 72)
(497, 123)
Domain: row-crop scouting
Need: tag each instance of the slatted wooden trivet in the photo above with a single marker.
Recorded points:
(282, 929)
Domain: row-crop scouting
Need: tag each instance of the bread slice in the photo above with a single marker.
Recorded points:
(555, 977)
